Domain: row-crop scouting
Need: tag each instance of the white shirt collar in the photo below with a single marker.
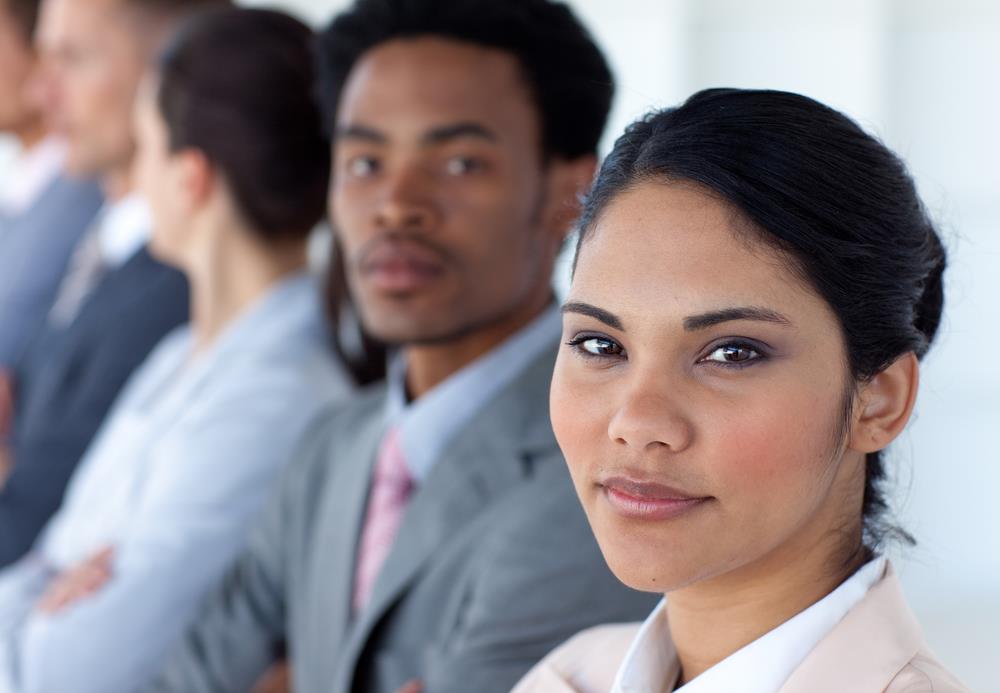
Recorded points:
(123, 227)
(428, 424)
(760, 667)
(30, 174)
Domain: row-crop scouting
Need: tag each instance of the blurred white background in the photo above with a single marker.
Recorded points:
(924, 75)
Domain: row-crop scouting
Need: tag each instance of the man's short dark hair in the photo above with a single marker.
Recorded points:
(568, 75)
(172, 10)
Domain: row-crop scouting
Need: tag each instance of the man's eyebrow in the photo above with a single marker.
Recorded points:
(609, 319)
(715, 317)
(359, 132)
(446, 133)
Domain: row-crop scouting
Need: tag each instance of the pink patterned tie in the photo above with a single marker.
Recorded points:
(390, 490)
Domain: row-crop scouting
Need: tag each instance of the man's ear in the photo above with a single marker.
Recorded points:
(567, 183)
(884, 405)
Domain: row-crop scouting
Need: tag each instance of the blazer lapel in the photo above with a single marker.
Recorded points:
(338, 520)
(492, 454)
(873, 642)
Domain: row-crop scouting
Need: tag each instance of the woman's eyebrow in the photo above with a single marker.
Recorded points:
(609, 319)
(715, 317)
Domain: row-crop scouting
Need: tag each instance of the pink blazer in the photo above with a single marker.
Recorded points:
(877, 648)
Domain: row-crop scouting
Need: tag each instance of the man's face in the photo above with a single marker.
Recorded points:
(92, 61)
(447, 216)
(17, 60)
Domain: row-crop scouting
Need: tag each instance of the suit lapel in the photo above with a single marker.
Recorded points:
(491, 455)
(873, 642)
(351, 456)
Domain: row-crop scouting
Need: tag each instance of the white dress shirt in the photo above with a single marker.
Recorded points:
(650, 666)
(30, 174)
(428, 424)
(173, 481)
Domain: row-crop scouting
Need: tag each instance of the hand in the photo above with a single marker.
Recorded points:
(277, 679)
(6, 402)
(412, 687)
(77, 583)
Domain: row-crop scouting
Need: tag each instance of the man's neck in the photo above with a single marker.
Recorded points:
(429, 365)
(117, 185)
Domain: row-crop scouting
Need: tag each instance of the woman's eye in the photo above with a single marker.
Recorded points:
(733, 354)
(597, 346)
(362, 166)
(462, 165)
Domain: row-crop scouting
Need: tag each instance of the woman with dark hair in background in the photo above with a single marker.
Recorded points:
(235, 167)
(755, 283)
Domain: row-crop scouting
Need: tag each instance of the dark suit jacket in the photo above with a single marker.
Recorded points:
(35, 248)
(67, 381)
(494, 564)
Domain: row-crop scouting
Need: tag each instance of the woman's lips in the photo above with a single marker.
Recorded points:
(644, 500)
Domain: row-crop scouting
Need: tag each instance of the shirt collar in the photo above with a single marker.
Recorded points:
(760, 667)
(32, 172)
(123, 227)
(428, 424)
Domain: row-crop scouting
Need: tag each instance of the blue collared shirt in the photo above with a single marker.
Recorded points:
(428, 424)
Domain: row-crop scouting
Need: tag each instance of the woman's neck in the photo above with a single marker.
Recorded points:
(230, 275)
(714, 618)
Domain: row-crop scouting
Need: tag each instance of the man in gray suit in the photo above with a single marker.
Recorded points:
(428, 536)
(115, 302)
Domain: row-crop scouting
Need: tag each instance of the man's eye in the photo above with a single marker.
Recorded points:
(735, 354)
(462, 165)
(362, 166)
(596, 346)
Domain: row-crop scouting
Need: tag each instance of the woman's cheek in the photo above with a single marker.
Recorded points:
(767, 458)
(577, 417)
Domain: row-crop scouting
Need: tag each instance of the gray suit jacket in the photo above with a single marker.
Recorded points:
(494, 564)
(35, 248)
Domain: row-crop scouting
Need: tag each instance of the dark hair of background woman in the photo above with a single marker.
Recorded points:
(238, 85)
(25, 15)
(563, 67)
(835, 200)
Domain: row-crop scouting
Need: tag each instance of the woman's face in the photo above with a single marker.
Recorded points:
(160, 178)
(699, 396)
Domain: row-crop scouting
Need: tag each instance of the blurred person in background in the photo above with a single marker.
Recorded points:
(115, 302)
(427, 532)
(756, 280)
(43, 212)
(163, 499)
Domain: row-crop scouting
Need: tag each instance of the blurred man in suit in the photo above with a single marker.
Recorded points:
(428, 535)
(115, 302)
(42, 212)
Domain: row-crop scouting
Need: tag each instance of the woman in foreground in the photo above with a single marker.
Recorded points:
(755, 283)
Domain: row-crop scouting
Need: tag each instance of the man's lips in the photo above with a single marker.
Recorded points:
(648, 500)
(399, 267)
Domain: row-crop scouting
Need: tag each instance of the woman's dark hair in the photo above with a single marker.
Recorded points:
(238, 85)
(832, 198)
(565, 70)
(25, 16)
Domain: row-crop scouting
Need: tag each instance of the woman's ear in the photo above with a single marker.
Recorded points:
(884, 405)
(197, 178)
